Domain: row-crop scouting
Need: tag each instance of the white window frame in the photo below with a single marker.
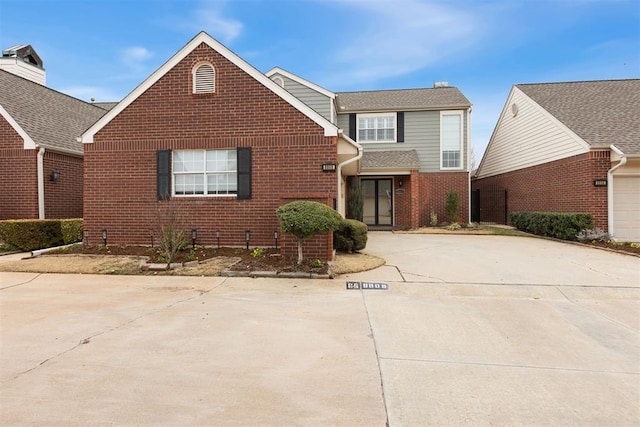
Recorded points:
(196, 89)
(459, 113)
(377, 116)
(204, 173)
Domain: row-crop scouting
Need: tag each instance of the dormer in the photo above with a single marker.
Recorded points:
(22, 60)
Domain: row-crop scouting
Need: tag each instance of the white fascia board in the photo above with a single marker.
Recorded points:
(304, 82)
(202, 37)
(29, 143)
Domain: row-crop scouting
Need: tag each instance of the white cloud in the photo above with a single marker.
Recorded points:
(404, 36)
(210, 19)
(134, 57)
(99, 94)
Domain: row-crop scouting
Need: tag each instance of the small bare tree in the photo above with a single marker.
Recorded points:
(170, 227)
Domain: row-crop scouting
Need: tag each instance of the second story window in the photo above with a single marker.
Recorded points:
(451, 140)
(204, 78)
(376, 127)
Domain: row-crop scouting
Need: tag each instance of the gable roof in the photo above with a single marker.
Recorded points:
(44, 117)
(305, 82)
(602, 113)
(202, 37)
(401, 100)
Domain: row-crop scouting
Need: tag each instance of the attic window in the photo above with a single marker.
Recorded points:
(279, 81)
(204, 78)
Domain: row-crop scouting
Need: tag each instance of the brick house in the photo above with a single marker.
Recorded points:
(566, 147)
(211, 140)
(40, 157)
(415, 146)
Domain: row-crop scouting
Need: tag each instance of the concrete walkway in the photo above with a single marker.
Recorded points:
(473, 330)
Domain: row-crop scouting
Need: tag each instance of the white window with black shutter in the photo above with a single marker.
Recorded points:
(204, 173)
(377, 127)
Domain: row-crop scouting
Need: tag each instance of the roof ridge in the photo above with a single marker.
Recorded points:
(578, 81)
(397, 90)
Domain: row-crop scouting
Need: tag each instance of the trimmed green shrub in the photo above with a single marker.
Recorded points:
(28, 235)
(452, 206)
(351, 236)
(355, 202)
(32, 234)
(560, 225)
(305, 218)
(71, 230)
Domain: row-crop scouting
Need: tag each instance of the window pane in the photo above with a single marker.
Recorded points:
(451, 132)
(189, 184)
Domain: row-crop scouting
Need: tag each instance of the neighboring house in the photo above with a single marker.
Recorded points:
(566, 147)
(210, 141)
(415, 146)
(40, 156)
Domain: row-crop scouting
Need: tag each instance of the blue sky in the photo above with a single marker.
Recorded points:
(104, 49)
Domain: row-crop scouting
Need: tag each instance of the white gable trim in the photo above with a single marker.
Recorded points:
(304, 82)
(202, 37)
(515, 92)
(29, 144)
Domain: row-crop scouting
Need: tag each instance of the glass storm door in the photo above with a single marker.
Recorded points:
(378, 208)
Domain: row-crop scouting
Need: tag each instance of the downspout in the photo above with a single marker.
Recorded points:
(623, 161)
(341, 209)
(40, 173)
(469, 162)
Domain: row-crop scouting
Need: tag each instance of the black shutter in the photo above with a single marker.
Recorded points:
(163, 171)
(244, 173)
(352, 127)
(400, 129)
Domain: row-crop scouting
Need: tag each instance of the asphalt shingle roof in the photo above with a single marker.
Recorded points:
(600, 112)
(392, 159)
(401, 100)
(52, 119)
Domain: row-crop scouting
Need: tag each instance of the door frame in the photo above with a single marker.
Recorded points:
(376, 180)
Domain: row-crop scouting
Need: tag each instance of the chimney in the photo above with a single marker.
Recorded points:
(23, 61)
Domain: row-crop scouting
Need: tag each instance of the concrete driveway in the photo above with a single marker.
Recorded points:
(473, 330)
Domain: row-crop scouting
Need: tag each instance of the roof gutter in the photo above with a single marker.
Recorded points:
(610, 212)
(340, 206)
(40, 173)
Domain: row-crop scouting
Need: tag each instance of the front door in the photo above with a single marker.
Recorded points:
(378, 207)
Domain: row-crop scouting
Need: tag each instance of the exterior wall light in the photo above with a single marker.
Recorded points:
(55, 175)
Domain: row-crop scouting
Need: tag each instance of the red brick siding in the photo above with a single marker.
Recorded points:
(288, 150)
(18, 184)
(434, 188)
(561, 186)
(63, 198)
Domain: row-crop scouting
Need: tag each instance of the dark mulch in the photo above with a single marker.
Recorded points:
(633, 248)
(256, 259)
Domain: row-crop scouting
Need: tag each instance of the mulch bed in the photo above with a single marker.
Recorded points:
(622, 247)
(257, 259)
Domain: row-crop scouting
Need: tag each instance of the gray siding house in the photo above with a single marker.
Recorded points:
(415, 147)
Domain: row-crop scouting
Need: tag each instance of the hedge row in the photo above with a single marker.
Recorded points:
(559, 225)
(351, 236)
(32, 234)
